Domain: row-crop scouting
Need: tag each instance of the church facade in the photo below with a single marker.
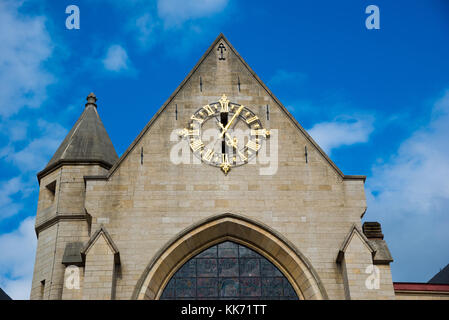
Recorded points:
(222, 195)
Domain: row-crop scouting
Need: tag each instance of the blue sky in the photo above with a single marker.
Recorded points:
(376, 100)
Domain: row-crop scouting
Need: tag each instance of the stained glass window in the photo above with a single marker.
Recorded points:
(228, 271)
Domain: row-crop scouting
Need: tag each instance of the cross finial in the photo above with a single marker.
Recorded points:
(91, 100)
(220, 48)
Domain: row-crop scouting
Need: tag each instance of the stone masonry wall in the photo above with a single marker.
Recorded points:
(56, 227)
(99, 271)
(145, 205)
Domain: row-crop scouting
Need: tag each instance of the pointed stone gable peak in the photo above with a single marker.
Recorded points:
(107, 237)
(221, 38)
(87, 141)
(354, 231)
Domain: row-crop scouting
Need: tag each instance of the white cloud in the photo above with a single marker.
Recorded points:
(410, 195)
(29, 159)
(25, 46)
(10, 188)
(343, 131)
(171, 23)
(416, 172)
(116, 59)
(15, 130)
(175, 12)
(17, 260)
(36, 154)
(146, 27)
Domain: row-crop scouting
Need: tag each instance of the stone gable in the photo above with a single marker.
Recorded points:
(147, 201)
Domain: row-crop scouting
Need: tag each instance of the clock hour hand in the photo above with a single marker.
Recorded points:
(232, 142)
(225, 129)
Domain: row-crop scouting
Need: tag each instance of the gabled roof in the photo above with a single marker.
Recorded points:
(101, 232)
(354, 231)
(87, 141)
(3, 295)
(72, 253)
(420, 287)
(221, 37)
(441, 277)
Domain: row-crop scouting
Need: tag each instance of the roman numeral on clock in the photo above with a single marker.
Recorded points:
(260, 132)
(196, 145)
(250, 120)
(189, 132)
(197, 119)
(242, 156)
(253, 146)
(224, 107)
(225, 159)
(208, 155)
(209, 110)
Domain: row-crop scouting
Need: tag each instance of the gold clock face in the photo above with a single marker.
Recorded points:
(225, 134)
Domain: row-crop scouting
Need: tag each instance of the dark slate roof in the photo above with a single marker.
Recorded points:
(72, 254)
(87, 141)
(441, 277)
(3, 295)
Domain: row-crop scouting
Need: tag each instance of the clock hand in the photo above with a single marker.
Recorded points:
(233, 142)
(230, 122)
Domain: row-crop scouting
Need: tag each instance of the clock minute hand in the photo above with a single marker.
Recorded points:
(230, 122)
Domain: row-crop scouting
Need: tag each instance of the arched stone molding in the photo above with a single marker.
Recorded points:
(246, 231)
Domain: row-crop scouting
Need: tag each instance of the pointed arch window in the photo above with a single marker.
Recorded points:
(229, 271)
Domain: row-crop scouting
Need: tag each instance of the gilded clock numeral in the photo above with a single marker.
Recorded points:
(196, 145)
(224, 102)
(224, 107)
(253, 145)
(260, 132)
(189, 132)
(225, 165)
(225, 159)
(194, 132)
(209, 110)
(242, 156)
(250, 120)
(196, 119)
(208, 155)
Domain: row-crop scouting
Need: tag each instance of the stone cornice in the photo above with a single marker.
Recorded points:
(73, 162)
(58, 217)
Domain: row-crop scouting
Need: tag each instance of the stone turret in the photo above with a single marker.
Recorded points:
(62, 221)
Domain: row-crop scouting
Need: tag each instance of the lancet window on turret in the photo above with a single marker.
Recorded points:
(42, 290)
(49, 194)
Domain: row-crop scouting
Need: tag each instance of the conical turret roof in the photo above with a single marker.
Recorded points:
(87, 141)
